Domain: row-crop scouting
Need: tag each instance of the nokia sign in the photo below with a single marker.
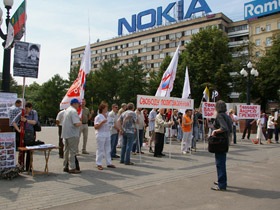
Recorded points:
(260, 8)
(155, 16)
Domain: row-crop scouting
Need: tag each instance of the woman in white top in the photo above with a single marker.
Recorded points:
(103, 137)
(270, 128)
(260, 135)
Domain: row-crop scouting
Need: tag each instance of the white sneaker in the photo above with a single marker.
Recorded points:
(184, 152)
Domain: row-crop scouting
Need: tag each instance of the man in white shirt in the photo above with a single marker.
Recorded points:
(71, 132)
(59, 121)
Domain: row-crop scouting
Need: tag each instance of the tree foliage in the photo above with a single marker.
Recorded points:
(269, 70)
(207, 57)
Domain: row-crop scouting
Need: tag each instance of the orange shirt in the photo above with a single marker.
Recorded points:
(187, 128)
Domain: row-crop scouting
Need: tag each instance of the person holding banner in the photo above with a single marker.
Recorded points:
(248, 126)
(152, 118)
(160, 124)
(187, 132)
(234, 124)
(30, 119)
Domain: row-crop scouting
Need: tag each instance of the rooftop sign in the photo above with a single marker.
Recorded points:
(260, 8)
(155, 16)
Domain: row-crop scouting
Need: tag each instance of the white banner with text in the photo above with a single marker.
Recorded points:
(164, 102)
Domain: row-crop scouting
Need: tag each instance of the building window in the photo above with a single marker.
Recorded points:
(188, 33)
(195, 31)
(172, 44)
(258, 42)
(258, 54)
(268, 41)
(268, 27)
(162, 38)
(278, 25)
(258, 30)
(172, 36)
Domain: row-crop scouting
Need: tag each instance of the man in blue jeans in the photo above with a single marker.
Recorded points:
(127, 123)
(114, 130)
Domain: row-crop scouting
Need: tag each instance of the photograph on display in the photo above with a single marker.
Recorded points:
(6, 102)
(7, 150)
(26, 59)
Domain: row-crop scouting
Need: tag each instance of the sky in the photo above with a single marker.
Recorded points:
(61, 25)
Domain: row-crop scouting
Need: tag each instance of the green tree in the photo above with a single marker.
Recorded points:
(134, 81)
(104, 84)
(207, 57)
(269, 70)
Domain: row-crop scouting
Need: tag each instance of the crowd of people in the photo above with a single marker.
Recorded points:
(128, 128)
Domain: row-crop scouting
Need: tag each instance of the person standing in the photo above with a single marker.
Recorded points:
(277, 128)
(84, 128)
(121, 110)
(260, 135)
(13, 112)
(140, 125)
(248, 126)
(113, 117)
(103, 140)
(59, 121)
(127, 122)
(152, 118)
(234, 123)
(187, 131)
(160, 124)
(270, 128)
(70, 132)
(222, 128)
(30, 119)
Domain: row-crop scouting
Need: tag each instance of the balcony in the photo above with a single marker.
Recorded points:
(238, 43)
(238, 33)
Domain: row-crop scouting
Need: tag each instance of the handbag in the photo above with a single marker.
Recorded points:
(29, 138)
(37, 127)
(217, 144)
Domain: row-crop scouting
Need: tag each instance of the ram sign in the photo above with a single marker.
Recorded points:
(260, 8)
(156, 16)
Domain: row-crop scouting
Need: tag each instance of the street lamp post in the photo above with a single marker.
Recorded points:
(7, 52)
(247, 72)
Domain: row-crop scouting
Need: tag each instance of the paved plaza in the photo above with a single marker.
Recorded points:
(173, 182)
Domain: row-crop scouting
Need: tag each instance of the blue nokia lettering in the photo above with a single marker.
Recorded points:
(156, 16)
(260, 8)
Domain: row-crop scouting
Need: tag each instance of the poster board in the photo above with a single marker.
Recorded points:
(164, 102)
(7, 150)
(208, 110)
(248, 111)
(26, 59)
(6, 102)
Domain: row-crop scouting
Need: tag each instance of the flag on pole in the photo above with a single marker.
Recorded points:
(10, 36)
(77, 89)
(215, 94)
(18, 21)
(186, 89)
(206, 94)
(167, 81)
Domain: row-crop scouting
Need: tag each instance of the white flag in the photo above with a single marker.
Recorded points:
(167, 81)
(77, 89)
(10, 36)
(186, 89)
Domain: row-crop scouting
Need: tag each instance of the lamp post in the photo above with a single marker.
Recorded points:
(247, 72)
(7, 52)
(116, 98)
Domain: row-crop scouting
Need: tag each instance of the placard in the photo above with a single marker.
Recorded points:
(7, 150)
(6, 102)
(248, 111)
(208, 110)
(26, 59)
(163, 102)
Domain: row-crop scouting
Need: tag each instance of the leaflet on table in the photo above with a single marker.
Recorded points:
(40, 146)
